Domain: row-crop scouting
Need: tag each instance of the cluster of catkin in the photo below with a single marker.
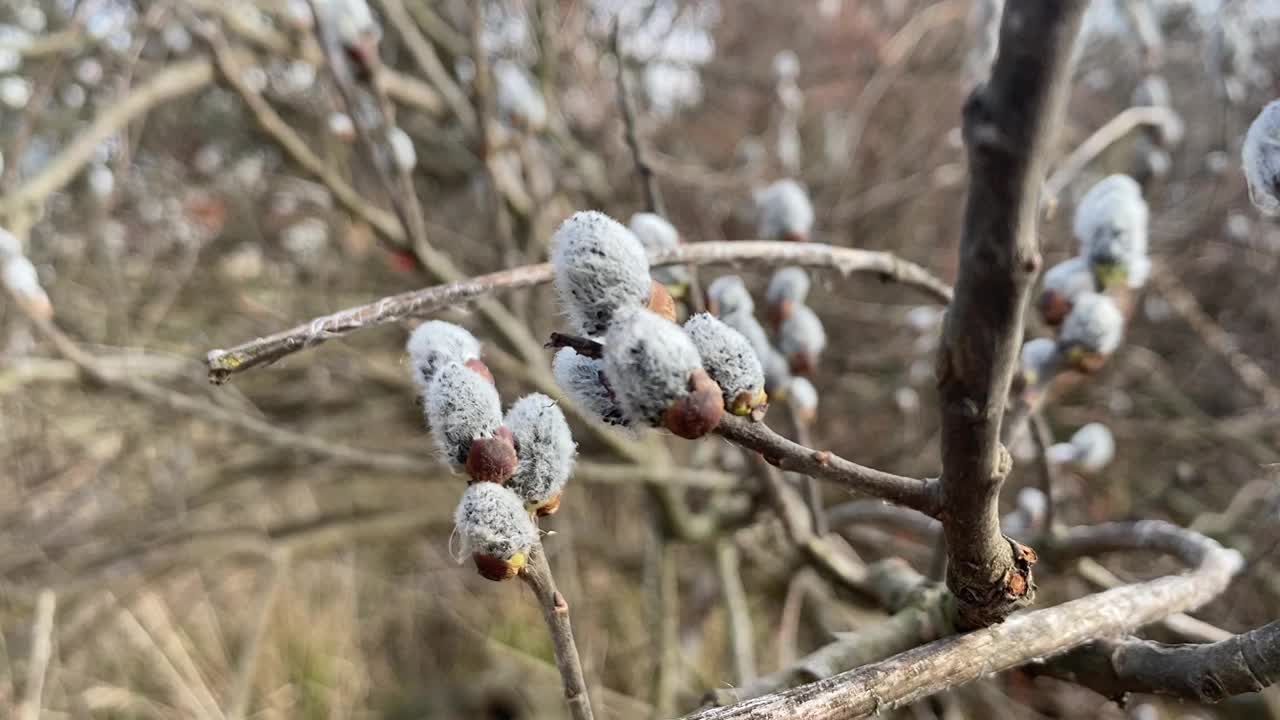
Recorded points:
(518, 463)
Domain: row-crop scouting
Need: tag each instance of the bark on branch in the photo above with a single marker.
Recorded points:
(1023, 638)
(266, 350)
(1009, 124)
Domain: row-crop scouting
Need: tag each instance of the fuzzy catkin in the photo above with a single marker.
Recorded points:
(802, 395)
(648, 361)
(802, 333)
(582, 378)
(461, 405)
(728, 358)
(1111, 226)
(1094, 324)
(600, 270)
(728, 295)
(544, 449)
(656, 234)
(491, 520)
(785, 211)
(1040, 360)
(1261, 159)
(1070, 277)
(789, 284)
(434, 343)
(519, 102)
(1090, 449)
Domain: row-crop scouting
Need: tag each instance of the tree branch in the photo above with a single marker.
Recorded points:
(537, 575)
(263, 351)
(1024, 637)
(1009, 124)
(1204, 673)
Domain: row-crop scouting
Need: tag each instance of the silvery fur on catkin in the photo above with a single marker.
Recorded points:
(726, 355)
(656, 234)
(802, 394)
(1094, 323)
(1261, 159)
(1070, 278)
(730, 295)
(600, 268)
(1111, 226)
(491, 520)
(802, 332)
(544, 448)
(789, 283)
(582, 378)
(461, 406)
(647, 361)
(434, 343)
(784, 209)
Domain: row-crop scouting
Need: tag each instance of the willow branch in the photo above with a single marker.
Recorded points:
(537, 575)
(737, 613)
(263, 351)
(1021, 639)
(1009, 126)
(41, 651)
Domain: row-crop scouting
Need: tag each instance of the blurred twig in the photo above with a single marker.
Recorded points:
(537, 575)
(38, 661)
(737, 612)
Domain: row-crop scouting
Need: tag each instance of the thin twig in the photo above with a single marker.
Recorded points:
(812, 492)
(1043, 437)
(537, 575)
(648, 181)
(41, 651)
(247, 659)
(263, 351)
(737, 613)
(664, 616)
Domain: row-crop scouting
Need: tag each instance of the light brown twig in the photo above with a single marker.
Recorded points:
(537, 575)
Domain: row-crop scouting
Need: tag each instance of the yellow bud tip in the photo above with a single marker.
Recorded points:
(517, 562)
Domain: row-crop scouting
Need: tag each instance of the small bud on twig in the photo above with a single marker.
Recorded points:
(731, 362)
(495, 529)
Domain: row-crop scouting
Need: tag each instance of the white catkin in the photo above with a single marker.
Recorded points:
(648, 361)
(790, 284)
(544, 449)
(802, 332)
(1032, 502)
(727, 356)
(461, 406)
(491, 520)
(656, 234)
(1111, 226)
(21, 278)
(777, 371)
(520, 104)
(1261, 159)
(785, 211)
(402, 149)
(351, 20)
(10, 245)
(1094, 324)
(1070, 278)
(433, 344)
(802, 395)
(582, 378)
(730, 296)
(600, 269)
(1040, 360)
(1091, 449)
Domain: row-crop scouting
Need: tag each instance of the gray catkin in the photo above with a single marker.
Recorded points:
(648, 361)
(1040, 360)
(729, 295)
(1261, 159)
(1094, 324)
(582, 378)
(544, 449)
(519, 102)
(802, 332)
(788, 284)
(802, 395)
(600, 269)
(1090, 449)
(1070, 278)
(1111, 226)
(434, 343)
(727, 356)
(785, 211)
(777, 372)
(491, 520)
(461, 406)
(656, 234)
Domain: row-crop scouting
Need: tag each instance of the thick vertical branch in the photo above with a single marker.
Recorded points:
(537, 575)
(1009, 124)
